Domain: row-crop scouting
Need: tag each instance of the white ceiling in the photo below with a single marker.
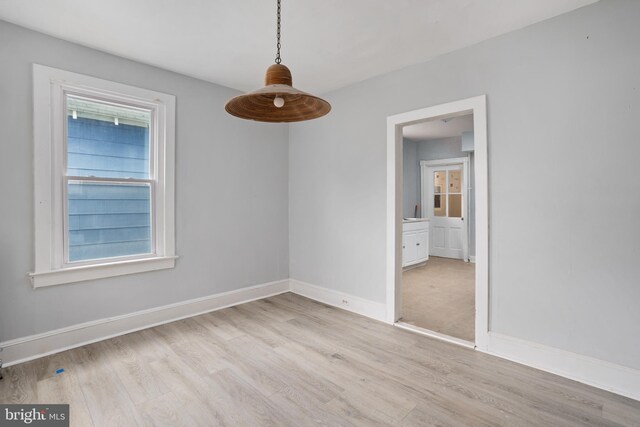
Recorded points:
(326, 43)
(437, 129)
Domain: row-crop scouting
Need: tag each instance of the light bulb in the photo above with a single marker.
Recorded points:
(278, 101)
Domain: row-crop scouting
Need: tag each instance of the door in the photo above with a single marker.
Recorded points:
(446, 205)
(409, 251)
(415, 247)
(422, 246)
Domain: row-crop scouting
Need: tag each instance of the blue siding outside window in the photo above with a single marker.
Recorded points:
(107, 219)
(101, 148)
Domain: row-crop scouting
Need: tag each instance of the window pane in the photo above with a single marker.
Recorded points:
(455, 205)
(439, 182)
(107, 141)
(108, 220)
(438, 205)
(455, 182)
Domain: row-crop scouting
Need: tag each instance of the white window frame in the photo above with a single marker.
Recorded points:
(50, 86)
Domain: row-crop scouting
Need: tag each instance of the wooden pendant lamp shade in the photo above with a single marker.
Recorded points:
(259, 104)
(278, 101)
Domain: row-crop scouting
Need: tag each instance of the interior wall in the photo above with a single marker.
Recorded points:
(410, 185)
(563, 101)
(413, 153)
(231, 194)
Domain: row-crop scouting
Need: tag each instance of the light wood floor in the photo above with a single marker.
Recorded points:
(289, 361)
(440, 296)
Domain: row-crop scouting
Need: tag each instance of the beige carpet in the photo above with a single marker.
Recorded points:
(440, 296)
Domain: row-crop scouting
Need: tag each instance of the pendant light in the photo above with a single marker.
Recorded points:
(278, 101)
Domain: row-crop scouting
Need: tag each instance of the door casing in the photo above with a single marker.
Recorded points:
(478, 107)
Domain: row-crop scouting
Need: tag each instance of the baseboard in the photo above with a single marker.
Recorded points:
(594, 372)
(368, 308)
(472, 259)
(27, 348)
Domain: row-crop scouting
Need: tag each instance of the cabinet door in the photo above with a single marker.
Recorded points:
(408, 249)
(422, 246)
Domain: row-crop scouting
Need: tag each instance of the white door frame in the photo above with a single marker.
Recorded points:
(426, 199)
(477, 106)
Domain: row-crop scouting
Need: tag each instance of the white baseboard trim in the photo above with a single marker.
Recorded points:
(594, 372)
(368, 308)
(472, 259)
(34, 346)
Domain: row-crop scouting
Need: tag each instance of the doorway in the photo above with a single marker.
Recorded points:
(443, 198)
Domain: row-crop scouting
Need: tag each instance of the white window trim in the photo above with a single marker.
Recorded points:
(49, 85)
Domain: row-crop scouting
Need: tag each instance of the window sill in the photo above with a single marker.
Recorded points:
(100, 271)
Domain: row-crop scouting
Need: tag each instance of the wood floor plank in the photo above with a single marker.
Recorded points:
(424, 415)
(269, 310)
(367, 390)
(288, 360)
(297, 378)
(440, 373)
(216, 322)
(296, 304)
(106, 397)
(252, 369)
(20, 383)
(255, 324)
(246, 400)
(165, 411)
(435, 372)
(203, 356)
(354, 362)
(136, 376)
(147, 345)
(193, 392)
(622, 410)
(63, 387)
(593, 410)
(306, 412)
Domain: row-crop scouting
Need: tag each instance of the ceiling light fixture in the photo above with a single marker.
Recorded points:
(278, 101)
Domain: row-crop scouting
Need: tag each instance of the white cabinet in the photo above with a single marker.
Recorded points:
(415, 242)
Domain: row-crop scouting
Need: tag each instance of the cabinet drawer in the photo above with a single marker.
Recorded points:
(415, 226)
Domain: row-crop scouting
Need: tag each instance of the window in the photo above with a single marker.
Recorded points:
(108, 180)
(104, 156)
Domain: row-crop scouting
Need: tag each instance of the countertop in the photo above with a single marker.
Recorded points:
(408, 220)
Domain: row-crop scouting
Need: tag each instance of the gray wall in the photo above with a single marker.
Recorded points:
(563, 107)
(413, 153)
(410, 178)
(231, 194)
(434, 149)
(438, 149)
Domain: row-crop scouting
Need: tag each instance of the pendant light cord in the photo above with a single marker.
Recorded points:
(278, 60)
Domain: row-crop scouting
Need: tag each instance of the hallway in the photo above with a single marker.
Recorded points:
(440, 296)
